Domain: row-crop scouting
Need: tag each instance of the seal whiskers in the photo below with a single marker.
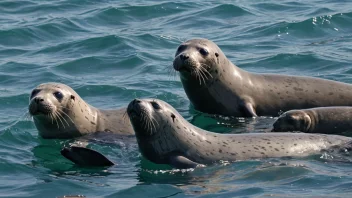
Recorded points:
(148, 121)
(205, 70)
(124, 116)
(52, 120)
(201, 73)
(171, 72)
(27, 116)
(57, 116)
(61, 111)
(198, 74)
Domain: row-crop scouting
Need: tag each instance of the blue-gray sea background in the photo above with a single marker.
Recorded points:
(113, 51)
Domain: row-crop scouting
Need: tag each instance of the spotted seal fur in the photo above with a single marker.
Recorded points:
(165, 137)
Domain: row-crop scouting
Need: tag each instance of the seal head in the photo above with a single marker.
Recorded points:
(295, 120)
(197, 60)
(155, 123)
(207, 77)
(59, 112)
(49, 105)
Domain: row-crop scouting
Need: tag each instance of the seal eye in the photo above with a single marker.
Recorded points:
(34, 92)
(58, 95)
(204, 52)
(155, 105)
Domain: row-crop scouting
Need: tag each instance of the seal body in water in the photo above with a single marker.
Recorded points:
(214, 85)
(165, 137)
(328, 120)
(59, 112)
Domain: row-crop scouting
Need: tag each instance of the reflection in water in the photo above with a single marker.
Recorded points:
(225, 124)
(244, 177)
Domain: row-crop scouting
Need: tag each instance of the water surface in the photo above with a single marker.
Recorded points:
(114, 51)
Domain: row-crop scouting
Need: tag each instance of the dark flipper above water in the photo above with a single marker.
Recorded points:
(85, 156)
(181, 162)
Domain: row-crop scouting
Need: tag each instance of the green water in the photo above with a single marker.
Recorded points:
(113, 51)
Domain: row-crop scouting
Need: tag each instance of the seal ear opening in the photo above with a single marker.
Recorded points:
(217, 57)
(173, 117)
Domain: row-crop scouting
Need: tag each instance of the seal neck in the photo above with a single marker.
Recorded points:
(214, 97)
(85, 116)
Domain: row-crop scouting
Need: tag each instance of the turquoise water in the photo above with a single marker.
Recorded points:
(114, 51)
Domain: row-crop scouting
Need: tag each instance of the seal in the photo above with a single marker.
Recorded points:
(165, 137)
(328, 120)
(216, 86)
(59, 112)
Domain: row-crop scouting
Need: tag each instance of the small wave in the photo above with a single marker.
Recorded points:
(11, 52)
(127, 14)
(19, 37)
(282, 7)
(87, 46)
(104, 66)
(8, 6)
(59, 28)
(105, 90)
(226, 11)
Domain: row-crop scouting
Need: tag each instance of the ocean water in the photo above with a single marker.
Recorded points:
(113, 51)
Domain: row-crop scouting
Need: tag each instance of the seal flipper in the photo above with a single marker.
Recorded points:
(85, 156)
(249, 109)
(182, 162)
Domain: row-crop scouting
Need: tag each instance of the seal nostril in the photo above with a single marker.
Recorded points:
(38, 100)
(184, 57)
